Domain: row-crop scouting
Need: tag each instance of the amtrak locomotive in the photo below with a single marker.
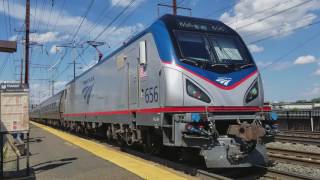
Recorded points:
(183, 83)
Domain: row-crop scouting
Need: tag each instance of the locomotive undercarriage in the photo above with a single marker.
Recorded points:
(222, 140)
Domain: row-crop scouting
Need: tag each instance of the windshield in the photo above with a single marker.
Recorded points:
(215, 49)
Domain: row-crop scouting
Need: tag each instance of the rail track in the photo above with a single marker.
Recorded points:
(276, 174)
(307, 138)
(312, 133)
(295, 157)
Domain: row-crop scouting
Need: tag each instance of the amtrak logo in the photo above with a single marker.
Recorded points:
(224, 80)
(86, 91)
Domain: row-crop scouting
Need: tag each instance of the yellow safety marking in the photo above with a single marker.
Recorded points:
(143, 168)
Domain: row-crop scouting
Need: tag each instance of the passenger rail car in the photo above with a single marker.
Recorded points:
(186, 83)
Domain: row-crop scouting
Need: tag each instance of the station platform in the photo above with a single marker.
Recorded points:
(59, 155)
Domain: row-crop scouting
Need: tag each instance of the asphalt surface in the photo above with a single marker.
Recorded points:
(54, 158)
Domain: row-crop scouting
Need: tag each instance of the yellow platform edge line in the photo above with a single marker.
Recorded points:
(143, 168)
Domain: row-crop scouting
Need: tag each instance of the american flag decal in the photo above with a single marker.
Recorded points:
(142, 72)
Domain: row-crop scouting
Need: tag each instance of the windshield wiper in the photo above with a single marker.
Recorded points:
(223, 65)
(197, 59)
(190, 61)
(246, 65)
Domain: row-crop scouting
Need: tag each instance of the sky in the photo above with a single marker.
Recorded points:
(282, 35)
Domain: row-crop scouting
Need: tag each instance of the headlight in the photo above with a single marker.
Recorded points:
(253, 92)
(197, 93)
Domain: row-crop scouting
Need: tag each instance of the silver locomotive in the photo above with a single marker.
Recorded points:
(185, 83)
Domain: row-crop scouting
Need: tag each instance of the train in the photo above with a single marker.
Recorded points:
(184, 83)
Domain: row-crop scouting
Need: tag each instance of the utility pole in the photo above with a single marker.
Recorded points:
(72, 45)
(52, 86)
(174, 7)
(52, 81)
(21, 71)
(26, 77)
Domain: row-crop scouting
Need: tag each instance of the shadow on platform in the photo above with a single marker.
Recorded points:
(52, 164)
(36, 169)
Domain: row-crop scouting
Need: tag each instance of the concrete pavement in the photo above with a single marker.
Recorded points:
(55, 158)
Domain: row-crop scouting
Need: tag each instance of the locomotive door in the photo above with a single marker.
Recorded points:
(132, 83)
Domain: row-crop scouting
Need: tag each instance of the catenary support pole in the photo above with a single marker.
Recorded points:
(174, 7)
(27, 23)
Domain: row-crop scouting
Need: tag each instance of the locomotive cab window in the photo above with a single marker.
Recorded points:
(189, 42)
(226, 49)
(197, 48)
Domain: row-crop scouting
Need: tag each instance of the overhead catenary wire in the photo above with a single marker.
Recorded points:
(101, 16)
(252, 34)
(35, 13)
(274, 14)
(108, 26)
(292, 50)
(101, 33)
(124, 19)
(181, 2)
(262, 11)
(115, 19)
(84, 17)
(9, 17)
(46, 14)
(276, 35)
(51, 8)
(4, 64)
(5, 19)
(76, 32)
(59, 15)
(41, 11)
(223, 9)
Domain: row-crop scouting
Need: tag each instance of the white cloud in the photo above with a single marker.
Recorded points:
(62, 29)
(124, 3)
(277, 66)
(41, 91)
(13, 38)
(254, 12)
(114, 34)
(305, 59)
(255, 49)
(54, 49)
(317, 72)
(44, 37)
(312, 92)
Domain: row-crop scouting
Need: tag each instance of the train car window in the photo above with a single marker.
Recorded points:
(188, 42)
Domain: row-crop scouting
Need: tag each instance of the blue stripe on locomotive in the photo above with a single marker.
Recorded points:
(167, 54)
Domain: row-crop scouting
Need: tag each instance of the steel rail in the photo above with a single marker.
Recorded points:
(299, 132)
(292, 159)
(298, 139)
(302, 154)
